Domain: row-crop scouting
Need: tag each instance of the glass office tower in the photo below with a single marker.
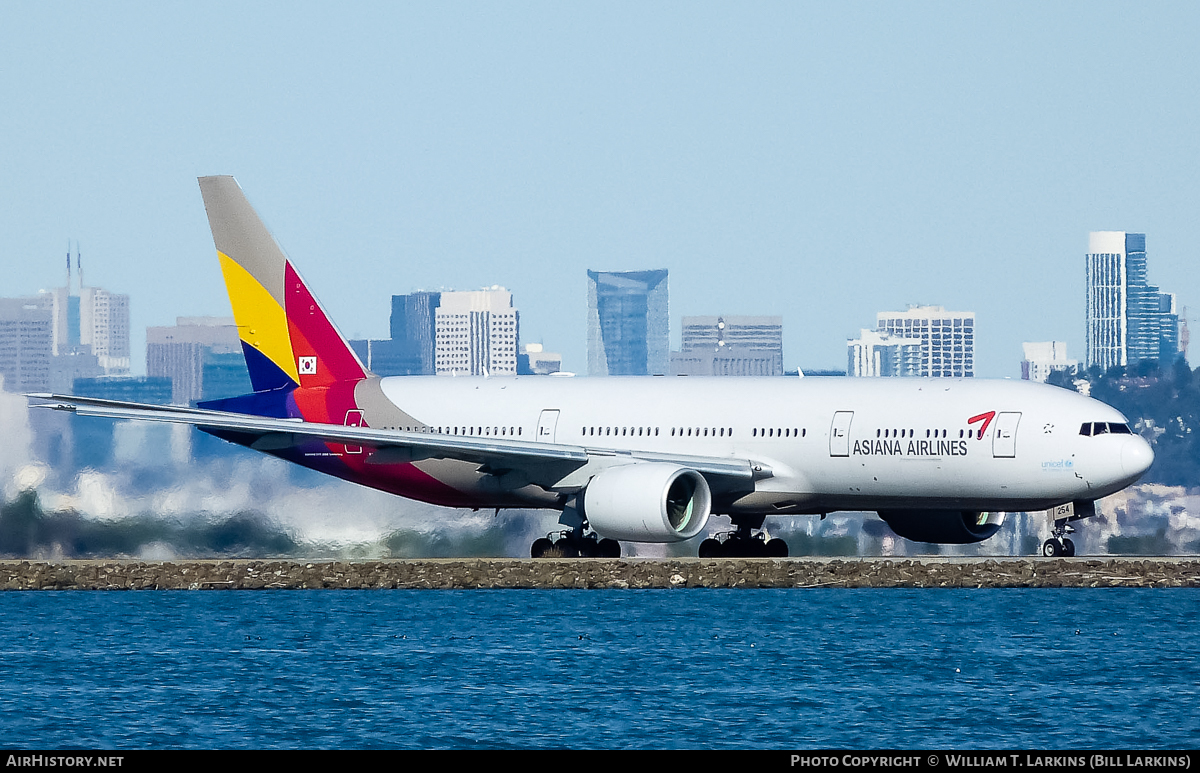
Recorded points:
(628, 327)
(1128, 319)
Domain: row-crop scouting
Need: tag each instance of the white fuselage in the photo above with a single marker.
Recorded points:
(823, 444)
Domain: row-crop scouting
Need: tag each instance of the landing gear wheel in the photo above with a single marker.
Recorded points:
(741, 547)
(540, 548)
(608, 548)
(565, 549)
(777, 548)
(1059, 544)
(710, 548)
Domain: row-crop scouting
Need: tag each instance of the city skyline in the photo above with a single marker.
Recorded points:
(903, 343)
(813, 162)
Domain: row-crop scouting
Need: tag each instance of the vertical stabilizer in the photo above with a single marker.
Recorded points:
(286, 336)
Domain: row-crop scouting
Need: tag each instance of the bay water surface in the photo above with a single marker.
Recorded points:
(683, 668)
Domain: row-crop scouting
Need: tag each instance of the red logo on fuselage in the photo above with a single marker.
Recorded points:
(986, 418)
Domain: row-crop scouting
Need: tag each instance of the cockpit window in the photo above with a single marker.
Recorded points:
(1104, 428)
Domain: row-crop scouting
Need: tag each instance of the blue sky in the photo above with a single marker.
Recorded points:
(821, 161)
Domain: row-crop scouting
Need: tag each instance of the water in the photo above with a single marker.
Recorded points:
(1104, 668)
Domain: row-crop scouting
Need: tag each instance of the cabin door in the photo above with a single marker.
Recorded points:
(354, 418)
(1004, 441)
(839, 433)
(546, 426)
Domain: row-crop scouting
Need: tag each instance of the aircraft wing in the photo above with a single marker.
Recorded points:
(550, 465)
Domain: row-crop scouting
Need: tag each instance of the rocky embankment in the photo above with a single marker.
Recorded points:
(602, 573)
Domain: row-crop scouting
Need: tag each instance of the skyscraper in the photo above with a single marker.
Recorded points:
(1045, 357)
(875, 354)
(1128, 319)
(947, 338)
(476, 333)
(201, 355)
(730, 346)
(759, 333)
(629, 331)
(25, 345)
(410, 351)
(413, 326)
(104, 325)
(95, 322)
(534, 360)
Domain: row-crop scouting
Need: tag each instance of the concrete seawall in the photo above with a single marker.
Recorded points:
(603, 573)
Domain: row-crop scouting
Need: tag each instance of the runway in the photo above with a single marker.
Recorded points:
(483, 573)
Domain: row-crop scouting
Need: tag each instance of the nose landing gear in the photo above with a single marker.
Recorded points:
(1059, 544)
(1060, 518)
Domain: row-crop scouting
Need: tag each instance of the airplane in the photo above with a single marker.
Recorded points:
(645, 459)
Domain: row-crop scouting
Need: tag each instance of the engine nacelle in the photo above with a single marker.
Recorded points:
(647, 502)
(947, 527)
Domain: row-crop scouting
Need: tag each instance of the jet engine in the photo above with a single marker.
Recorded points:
(948, 527)
(647, 502)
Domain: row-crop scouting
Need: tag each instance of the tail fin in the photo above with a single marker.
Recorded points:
(286, 336)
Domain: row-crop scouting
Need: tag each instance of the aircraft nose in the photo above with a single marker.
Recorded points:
(1136, 456)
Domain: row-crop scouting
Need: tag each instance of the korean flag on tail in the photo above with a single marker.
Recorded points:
(307, 366)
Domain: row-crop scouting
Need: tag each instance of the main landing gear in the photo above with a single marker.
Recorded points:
(743, 543)
(574, 541)
(568, 544)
